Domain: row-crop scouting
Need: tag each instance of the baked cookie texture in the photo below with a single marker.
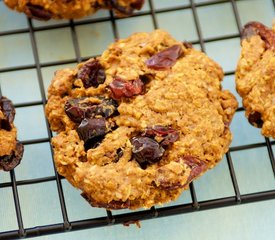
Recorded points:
(11, 150)
(69, 9)
(139, 123)
(255, 76)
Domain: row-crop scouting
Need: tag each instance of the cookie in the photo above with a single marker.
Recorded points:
(11, 150)
(255, 76)
(69, 9)
(139, 123)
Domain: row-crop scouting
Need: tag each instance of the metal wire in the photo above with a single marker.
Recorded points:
(110, 219)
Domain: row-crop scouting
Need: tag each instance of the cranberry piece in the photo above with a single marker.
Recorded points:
(137, 4)
(91, 131)
(92, 74)
(122, 88)
(124, 9)
(121, 9)
(37, 12)
(150, 146)
(197, 166)
(165, 59)
(106, 108)
(77, 109)
(8, 110)
(146, 150)
(257, 28)
(110, 205)
(9, 162)
(255, 119)
(168, 134)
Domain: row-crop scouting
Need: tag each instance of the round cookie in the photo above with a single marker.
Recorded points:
(255, 76)
(139, 123)
(69, 9)
(11, 150)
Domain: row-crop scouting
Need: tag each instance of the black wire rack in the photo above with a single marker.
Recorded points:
(110, 218)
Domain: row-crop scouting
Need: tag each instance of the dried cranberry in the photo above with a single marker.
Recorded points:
(197, 166)
(121, 9)
(37, 12)
(115, 4)
(8, 110)
(137, 4)
(9, 162)
(122, 88)
(168, 134)
(110, 205)
(106, 108)
(92, 74)
(255, 119)
(257, 28)
(77, 109)
(165, 59)
(146, 150)
(91, 131)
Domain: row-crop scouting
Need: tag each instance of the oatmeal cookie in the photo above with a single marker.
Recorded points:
(255, 76)
(139, 123)
(11, 150)
(69, 9)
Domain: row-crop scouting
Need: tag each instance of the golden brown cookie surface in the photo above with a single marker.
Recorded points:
(11, 150)
(69, 9)
(139, 123)
(255, 76)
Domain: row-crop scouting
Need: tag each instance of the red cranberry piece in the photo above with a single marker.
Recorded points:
(9, 162)
(257, 28)
(77, 109)
(8, 110)
(137, 4)
(255, 119)
(106, 108)
(168, 134)
(122, 88)
(125, 10)
(165, 59)
(197, 167)
(110, 205)
(92, 74)
(146, 150)
(37, 12)
(115, 5)
(91, 130)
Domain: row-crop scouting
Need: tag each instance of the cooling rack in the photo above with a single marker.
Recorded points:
(31, 60)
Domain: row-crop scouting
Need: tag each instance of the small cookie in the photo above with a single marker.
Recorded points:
(255, 76)
(69, 9)
(11, 150)
(139, 123)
